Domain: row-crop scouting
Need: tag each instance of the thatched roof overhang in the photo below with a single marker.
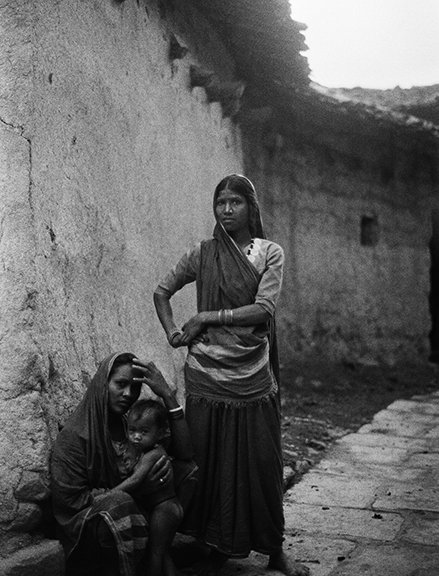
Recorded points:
(263, 40)
(267, 45)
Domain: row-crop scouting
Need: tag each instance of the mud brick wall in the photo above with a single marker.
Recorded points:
(108, 162)
(352, 206)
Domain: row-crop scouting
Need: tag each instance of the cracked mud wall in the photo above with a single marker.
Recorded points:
(108, 165)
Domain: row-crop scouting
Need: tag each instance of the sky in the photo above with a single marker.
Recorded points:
(371, 43)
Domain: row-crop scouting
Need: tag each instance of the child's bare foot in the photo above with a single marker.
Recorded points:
(287, 566)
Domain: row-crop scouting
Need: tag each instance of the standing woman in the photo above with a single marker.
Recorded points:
(231, 374)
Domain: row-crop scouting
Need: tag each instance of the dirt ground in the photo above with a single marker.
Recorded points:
(322, 402)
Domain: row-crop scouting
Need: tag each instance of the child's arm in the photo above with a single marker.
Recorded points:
(142, 468)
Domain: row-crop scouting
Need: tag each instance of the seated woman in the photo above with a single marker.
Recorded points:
(103, 524)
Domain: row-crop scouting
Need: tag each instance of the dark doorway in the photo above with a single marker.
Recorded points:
(434, 287)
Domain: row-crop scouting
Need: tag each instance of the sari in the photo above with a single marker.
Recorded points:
(233, 412)
(84, 468)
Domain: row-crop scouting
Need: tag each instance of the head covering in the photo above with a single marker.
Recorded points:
(242, 185)
(90, 422)
(83, 468)
(227, 279)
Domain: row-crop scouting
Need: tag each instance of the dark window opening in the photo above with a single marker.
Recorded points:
(369, 231)
(387, 174)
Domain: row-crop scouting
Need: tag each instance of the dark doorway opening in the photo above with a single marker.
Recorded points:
(434, 287)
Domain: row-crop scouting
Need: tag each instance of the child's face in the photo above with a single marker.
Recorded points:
(144, 432)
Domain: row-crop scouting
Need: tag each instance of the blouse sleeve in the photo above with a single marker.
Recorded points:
(184, 272)
(271, 281)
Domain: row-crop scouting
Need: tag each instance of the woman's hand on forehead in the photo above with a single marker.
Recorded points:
(149, 374)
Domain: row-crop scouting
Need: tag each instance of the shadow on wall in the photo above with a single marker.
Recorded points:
(434, 287)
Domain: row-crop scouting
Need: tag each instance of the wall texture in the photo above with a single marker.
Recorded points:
(343, 299)
(108, 161)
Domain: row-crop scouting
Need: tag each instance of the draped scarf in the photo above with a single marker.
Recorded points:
(226, 278)
(90, 422)
(83, 458)
(235, 363)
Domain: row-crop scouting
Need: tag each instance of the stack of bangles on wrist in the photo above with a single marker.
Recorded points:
(176, 413)
(173, 334)
(225, 317)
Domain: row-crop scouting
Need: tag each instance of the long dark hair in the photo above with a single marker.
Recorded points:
(242, 185)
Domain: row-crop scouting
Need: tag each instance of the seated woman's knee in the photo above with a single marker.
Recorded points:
(171, 508)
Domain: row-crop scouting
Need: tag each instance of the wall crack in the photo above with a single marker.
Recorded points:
(18, 129)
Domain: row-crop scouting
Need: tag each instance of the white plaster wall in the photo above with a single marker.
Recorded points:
(125, 160)
(108, 165)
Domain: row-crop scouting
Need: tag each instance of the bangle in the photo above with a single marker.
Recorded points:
(171, 335)
(176, 413)
(175, 409)
(225, 317)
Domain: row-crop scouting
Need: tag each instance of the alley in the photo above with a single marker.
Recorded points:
(371, 506)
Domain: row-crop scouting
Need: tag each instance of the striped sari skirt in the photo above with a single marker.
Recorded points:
(232, 409)
(128, 527)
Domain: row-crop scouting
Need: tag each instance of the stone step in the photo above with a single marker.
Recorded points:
(43, 559)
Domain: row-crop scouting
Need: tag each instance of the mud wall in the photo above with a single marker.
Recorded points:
(353, 212)
(108, 163)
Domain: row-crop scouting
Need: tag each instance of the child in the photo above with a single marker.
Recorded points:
(148, 433)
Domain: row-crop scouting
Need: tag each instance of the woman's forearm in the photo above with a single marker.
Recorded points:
(151, 466)
(164, 312)
(128, 485)
(248, 315)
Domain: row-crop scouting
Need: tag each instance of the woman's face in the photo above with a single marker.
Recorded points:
(232, 211)
(122, 390)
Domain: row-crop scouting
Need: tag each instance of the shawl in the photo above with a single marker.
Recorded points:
(236, 363)
(83, 459)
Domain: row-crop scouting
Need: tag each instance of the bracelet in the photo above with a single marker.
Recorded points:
(176, 413)
(175, 409)
(173, 334)
(225, 317)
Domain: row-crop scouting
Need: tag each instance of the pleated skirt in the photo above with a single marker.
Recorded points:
(238, 502)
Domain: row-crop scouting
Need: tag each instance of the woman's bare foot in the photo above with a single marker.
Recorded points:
(287, 566)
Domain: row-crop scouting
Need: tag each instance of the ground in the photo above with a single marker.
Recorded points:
(321, 402)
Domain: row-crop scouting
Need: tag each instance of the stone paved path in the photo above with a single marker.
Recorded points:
(371, 507)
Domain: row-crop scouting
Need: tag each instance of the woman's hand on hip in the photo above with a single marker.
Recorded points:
(192, 329)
